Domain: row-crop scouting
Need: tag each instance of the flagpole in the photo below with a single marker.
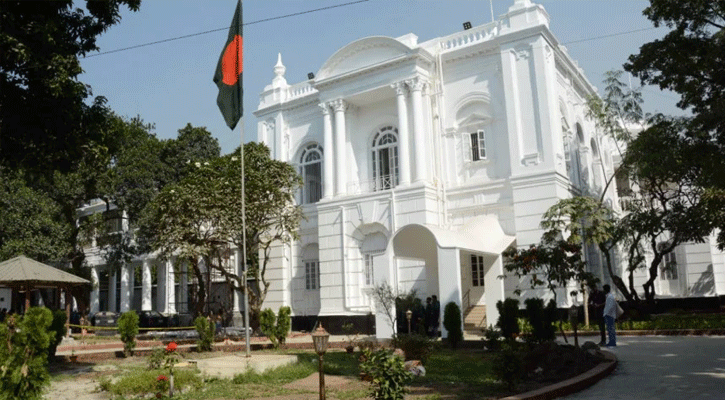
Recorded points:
(244, 248)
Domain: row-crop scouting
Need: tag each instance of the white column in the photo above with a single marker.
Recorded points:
(125, 291)
(94, 290)
(183, 288)
(403, 135)
(449, 281)
(112, 291)
(416, 87)
(131, 285)
(237, 304)
(494, 289)
(327, 151)
(146, 285)
(170, 288)
(339, 106)
(161, 299)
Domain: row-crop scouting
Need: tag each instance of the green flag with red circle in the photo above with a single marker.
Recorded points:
(228, 75)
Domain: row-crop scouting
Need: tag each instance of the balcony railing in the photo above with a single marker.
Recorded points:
(384, 182)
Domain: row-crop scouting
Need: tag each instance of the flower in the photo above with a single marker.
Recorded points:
(171, 346)
(162, 378)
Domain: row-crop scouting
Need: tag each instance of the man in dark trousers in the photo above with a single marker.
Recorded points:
(596, 306)
(436, 317)
(428, 317)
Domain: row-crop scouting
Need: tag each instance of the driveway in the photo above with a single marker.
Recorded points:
(664, 367)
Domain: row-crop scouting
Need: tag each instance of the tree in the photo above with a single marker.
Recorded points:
(193, 144)
(200, 217)
(41, 43)
(688, 60)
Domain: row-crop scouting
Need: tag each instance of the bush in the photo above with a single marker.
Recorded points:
(205, 329)
(388, 374)
(24, 354)
(284, 324)
(491, 338)
(541, 319)
(58, 329)
(508, 365)
(508, 311)
(156, 358)
(267, 325)
(415, 346)
(146, 381)
(452, 323)
(128, 329)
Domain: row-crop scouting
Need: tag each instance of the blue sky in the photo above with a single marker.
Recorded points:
(170, 84)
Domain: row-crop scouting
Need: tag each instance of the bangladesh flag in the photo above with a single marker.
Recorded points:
(228, 75)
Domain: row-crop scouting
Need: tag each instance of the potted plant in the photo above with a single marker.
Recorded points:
(348, 328)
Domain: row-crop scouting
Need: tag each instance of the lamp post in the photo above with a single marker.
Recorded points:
(409, 315)
(320, 338)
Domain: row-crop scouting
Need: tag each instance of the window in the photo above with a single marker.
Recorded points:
(669, 267)
(477, 273)
(311, 172)
(312, 275)
(368, 271)
(385, 158)
(478, 146)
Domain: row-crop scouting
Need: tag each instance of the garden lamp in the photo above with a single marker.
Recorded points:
(320, 338)
(409, 315)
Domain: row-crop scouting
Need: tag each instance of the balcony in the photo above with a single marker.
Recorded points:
(378, 184)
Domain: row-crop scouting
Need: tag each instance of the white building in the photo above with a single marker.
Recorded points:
(424, 161)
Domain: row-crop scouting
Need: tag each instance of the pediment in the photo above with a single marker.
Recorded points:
(362, 53)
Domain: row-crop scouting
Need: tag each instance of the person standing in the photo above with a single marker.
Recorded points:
(596, 304)
(436, 317)
(610, 314)
(428, 316)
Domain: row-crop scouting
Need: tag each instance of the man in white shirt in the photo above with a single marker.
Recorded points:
(610, 314)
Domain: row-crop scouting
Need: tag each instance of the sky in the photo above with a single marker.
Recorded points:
(170, 84)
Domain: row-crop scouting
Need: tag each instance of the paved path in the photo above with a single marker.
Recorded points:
(663, 368)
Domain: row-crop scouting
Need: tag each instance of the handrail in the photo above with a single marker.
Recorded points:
(466, 300)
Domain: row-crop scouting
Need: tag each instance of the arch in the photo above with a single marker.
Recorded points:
(360, 53)
(579, 133)
(595, 149)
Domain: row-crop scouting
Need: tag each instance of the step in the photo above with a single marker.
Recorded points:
(475, 317)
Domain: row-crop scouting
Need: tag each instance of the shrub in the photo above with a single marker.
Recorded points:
(387, 372)
(205, 329)
(267, 325)
(156, 358)
(284, 323)
(452, 323)
(415, 347)
(491, 338)
(128, 329)
(58, 329)
(541, 319)
(24, 354)
(143, 382)
(508, 365)
(508, 311)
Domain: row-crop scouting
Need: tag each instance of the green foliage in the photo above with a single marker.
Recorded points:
(58, 330)
(508, 312)
(509, 365)
(205, 329)
(541, 319)
(144, 382)
(492, 338)
(156, 358)
(128, 329)
(284, 324)
(452, 322)
(415, 346)
(24, 355)
(388, 374)
(267, 325)
(277, 376)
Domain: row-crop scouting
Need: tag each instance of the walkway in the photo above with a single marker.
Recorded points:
(662, 368)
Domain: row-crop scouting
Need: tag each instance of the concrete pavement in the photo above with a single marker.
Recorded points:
(664, 368)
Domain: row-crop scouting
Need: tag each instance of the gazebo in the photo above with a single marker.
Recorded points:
(23, 274)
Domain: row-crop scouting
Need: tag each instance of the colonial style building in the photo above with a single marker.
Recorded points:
(423, 161)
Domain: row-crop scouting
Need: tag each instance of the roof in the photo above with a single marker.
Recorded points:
(22, 269)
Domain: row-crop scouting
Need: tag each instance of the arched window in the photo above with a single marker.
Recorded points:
(385, 158)
(311, 171)
(373, 245)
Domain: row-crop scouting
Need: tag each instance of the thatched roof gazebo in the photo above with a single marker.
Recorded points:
(24, 274)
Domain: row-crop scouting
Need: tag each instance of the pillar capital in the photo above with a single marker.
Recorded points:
(338, 105)
(417, 84)
(325, 107)
(400, 88)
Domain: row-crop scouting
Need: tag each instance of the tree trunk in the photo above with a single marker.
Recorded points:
(618, 282)
(649, 286)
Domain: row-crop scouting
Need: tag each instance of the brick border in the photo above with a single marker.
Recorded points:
(571, 385)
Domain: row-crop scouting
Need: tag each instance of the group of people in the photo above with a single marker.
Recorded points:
(432, 316)
(604, 307)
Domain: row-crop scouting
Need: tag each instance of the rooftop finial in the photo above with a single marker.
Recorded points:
(279, 68)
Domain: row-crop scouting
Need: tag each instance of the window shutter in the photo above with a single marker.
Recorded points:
(466, 147)
(482, 144)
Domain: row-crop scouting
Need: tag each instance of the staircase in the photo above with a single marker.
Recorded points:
(475, 318)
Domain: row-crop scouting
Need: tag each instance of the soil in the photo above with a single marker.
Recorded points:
(546, 364)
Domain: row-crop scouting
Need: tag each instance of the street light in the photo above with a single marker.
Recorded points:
(320, 338)
(409, 315)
